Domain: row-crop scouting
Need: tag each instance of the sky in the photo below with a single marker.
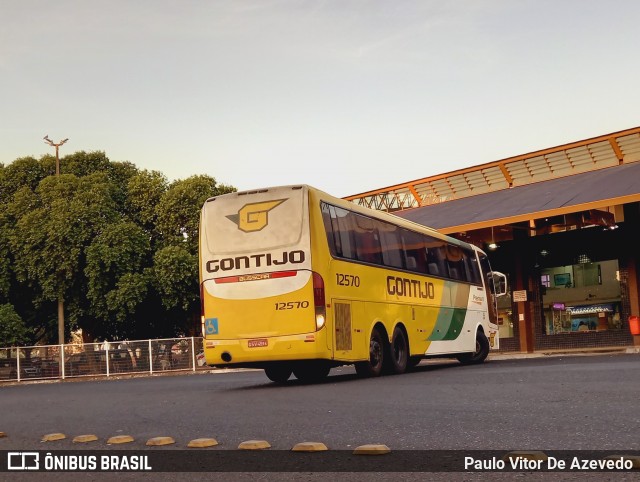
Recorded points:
(345, 95)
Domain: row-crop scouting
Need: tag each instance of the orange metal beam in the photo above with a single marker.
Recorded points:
(500, 164)
(616, 149)
(415, 194)
(506, 174)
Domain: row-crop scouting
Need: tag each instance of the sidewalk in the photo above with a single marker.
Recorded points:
(613, 350)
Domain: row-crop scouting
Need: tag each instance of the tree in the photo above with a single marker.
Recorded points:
(49, 241)
(117, 283)
(144, 193)
(175, 265)
(178, 213)
(116, 245)
(13, 331)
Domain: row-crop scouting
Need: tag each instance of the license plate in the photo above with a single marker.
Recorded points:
(258, 342)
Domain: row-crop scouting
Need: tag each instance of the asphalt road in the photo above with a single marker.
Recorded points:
(549, 403)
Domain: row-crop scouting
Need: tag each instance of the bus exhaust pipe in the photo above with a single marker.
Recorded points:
(226, 357)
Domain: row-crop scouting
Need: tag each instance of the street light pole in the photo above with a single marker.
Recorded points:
(57, 146)
(60, 299)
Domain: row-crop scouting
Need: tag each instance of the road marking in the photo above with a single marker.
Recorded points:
(371, 449)
(254, 445)
(120, 439)
(309, 447)
(85, 438)
(156, 441)
(202, 443)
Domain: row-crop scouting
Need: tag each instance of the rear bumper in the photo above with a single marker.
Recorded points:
(248, 352)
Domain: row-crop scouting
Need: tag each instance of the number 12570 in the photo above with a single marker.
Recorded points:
(292, 305)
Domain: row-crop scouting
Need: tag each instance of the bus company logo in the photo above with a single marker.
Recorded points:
(254, 216)
(478, 300)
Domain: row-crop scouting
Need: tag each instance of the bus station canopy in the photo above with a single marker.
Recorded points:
(580, 192)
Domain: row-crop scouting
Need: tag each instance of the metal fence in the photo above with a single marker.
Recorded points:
(101, 359)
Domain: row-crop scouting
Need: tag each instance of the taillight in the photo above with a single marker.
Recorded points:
(319, 300)
(202, 309)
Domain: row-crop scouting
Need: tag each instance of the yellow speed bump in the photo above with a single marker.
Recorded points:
(202, 443)
(372, 449)
(157, 441)
(525, 455)
(51, 437)
(84, 438)
(309, 447)
(120, 439)
(3, 435)
(254, 445)
(634, 459)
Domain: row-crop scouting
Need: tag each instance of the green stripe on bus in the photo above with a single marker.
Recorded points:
(448, 324)
(457, 321)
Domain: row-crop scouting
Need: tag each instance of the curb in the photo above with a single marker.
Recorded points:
(564, 353)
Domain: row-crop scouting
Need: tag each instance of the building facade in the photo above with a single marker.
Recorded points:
(563, 223)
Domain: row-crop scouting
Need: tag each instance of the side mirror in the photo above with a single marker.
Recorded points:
(499, 283)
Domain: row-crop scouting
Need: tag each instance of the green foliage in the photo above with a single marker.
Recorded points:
(120, 250)
(5, 260)
(13, 331)
(176, 277)
(117, 244)
(144, 192)
(24, 172)
(179, 209)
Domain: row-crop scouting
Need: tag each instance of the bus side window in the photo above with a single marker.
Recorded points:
(414, 251)
(456, 263)
(436, 257)
(367, 243)
(472, 268)
(345, 241)
(392, 254)
(329, 229)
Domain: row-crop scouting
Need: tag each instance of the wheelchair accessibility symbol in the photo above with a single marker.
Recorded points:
(211, 326)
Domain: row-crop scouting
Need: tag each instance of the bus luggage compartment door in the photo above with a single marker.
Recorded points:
(348, 335)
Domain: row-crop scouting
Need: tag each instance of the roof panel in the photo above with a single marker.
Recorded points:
(604, 185)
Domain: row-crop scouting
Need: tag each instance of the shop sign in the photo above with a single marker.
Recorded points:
(520, 295)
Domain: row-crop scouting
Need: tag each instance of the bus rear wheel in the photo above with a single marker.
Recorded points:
(478, 356)
(278, 373)
(373, 367)
(399, 351)
(311, 372)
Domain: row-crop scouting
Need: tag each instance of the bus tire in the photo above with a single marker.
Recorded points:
(398, 352)
(478, 356)
(311, 372)
(377, 349)
(413, 362)
(278, 373)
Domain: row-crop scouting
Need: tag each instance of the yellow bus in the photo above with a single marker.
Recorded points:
(293, 280)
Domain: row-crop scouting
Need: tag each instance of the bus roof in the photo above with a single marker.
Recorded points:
(384, 216)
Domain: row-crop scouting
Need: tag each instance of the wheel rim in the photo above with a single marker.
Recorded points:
(399, 349)
(375, 351)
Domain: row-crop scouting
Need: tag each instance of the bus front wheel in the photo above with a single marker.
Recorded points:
(373, 367)
(278, 373)
(478, 356)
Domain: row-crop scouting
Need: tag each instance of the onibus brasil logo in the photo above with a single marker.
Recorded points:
(254, 216)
